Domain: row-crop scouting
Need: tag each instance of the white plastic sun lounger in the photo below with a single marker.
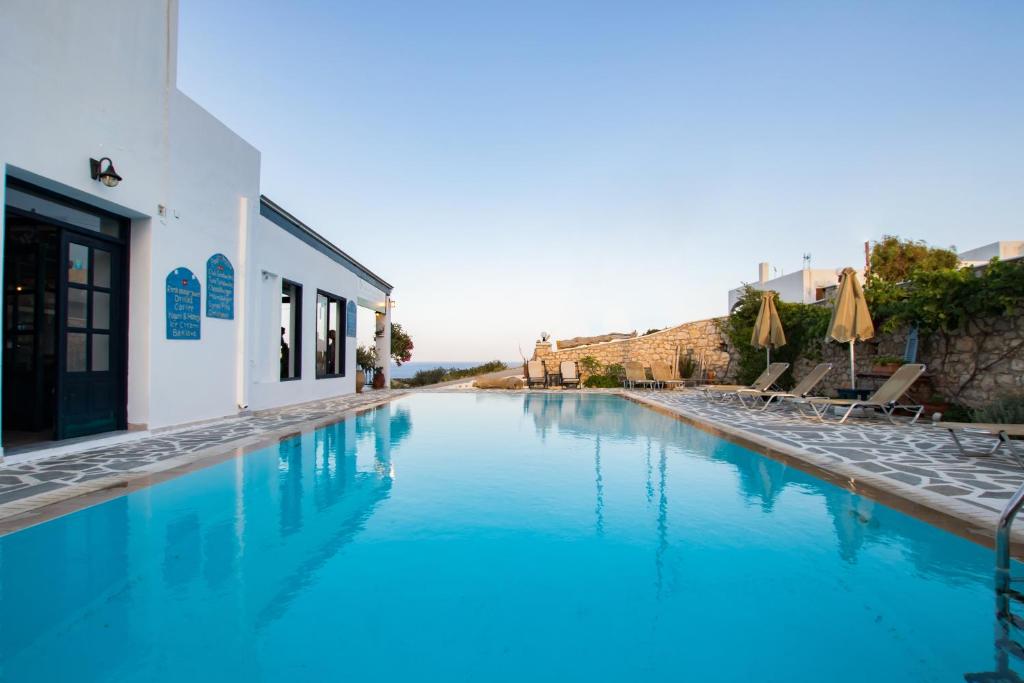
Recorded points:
(1002, 432)
(801, 391)
(885, 399)
(570, 373)
(764, 382)
(635, 375)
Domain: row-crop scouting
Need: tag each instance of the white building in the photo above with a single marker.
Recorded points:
(177, 295)
(1006, 249)
(804, 286)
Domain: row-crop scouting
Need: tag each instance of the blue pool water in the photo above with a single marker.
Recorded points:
(471, 537)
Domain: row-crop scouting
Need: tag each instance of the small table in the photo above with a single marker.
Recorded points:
(552, 379)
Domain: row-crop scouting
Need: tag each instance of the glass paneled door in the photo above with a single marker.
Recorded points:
(91, 357)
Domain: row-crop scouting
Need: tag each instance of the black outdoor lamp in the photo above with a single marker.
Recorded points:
(106, 175)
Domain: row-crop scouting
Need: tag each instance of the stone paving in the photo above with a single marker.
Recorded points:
(30, 484)
(918, 462)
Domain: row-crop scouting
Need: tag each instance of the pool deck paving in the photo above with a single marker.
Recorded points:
(917, 464)
(29, 490)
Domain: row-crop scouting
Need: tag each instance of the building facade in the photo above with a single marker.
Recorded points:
(804, 286)
(147, 282)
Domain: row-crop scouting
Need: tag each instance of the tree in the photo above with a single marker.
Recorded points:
(894, 260)
(401, 344)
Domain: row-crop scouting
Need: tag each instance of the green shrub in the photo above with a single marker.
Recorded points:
(687, 366)
(590, 365)
(1004, 410)
(804, 324)
(602, 382)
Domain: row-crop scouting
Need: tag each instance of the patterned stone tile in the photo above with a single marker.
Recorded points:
(919, 460)
(20, 483)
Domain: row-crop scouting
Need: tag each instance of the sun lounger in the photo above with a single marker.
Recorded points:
(1002, 432)
(662, 373)
(635, 375)
(764, 382)
(570, 374)
(802, 390)
(885, 399)
(535, 373)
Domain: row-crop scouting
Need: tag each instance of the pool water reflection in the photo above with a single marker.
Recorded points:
(494, 537)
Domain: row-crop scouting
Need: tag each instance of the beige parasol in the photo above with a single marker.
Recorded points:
(851, 320)
(768, 327)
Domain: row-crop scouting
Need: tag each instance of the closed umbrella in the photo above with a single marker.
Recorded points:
(768, 327)
(851, 320)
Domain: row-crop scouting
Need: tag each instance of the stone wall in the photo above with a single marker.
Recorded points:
(693, 338)
(995, 359)
(952, 360)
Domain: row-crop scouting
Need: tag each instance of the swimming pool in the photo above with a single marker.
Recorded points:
(494, 537)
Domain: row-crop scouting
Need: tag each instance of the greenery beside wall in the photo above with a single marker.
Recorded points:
(953, 300)
(440, 374)
(805, 326)
(894, 260)
(401, 344)
(596, 375)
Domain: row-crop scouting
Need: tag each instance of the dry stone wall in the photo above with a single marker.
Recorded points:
(695, 338)
(972, 367)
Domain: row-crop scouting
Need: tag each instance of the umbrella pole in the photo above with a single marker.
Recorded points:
(769, 350)
(853, 370)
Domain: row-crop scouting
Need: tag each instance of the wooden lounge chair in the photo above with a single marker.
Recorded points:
(802, 390)
(635, 375)
(662, 373)
(535, 373)
(764, 382)
(886, 398)
(1002, 432)
(570, 374)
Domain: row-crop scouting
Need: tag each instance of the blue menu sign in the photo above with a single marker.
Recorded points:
(220, 288)
(350, 319)
(182, 304)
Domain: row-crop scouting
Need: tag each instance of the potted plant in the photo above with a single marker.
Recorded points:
(366, 361)
(886, 365)
(378, 378)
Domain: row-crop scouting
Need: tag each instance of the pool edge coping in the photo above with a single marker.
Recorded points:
(49, 505)
(962, 520)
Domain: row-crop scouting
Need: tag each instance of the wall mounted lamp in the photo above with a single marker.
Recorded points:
(106, 175)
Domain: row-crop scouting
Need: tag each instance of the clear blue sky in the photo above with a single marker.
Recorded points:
(582, 167)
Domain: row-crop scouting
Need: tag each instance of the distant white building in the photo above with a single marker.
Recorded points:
(1006, 249)
(803, 286)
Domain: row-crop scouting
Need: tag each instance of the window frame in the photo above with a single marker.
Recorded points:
(342, 304)
(296, 337)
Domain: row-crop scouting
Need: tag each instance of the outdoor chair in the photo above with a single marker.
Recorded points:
(662, 373)
(885, 399)
(802, 390)
(1002, 432)
(635, 375)
(536, 374)
(765, 381)
(570, 374)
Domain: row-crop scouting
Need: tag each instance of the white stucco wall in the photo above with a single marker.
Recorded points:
(799, 286)
(212, 172)
(277, 255)
(98, 79)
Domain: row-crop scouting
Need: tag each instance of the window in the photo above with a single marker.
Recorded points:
(330, 339)
(291, 330)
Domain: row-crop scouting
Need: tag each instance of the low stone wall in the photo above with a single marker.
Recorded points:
(694, 338)
(972, 367)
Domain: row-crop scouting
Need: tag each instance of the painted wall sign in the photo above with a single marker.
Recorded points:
(183, 295)
(350, 319)
(220, 288)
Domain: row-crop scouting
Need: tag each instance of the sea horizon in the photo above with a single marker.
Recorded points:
(409, 369)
